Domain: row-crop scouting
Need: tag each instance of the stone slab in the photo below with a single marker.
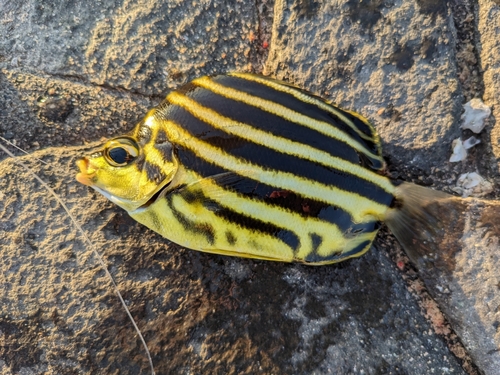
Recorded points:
(72, 74)
(143, 46)
(391, 61)
(199, 313)
(488, 23)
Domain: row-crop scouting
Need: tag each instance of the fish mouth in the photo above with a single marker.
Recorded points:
(83, 177)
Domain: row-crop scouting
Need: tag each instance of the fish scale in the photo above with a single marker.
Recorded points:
(248, 166)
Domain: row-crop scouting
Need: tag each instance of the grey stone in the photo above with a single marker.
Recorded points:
(73, 73)
(141, 46)
(199, 313)
(458, 263)
(391, 61)
(489, 47)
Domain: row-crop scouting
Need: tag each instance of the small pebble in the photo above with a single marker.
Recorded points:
(471, 142)
(475, 114)
(8, 135)
(472, 184)
(459, 151)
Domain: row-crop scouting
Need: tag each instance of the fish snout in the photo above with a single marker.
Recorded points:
(86, 173)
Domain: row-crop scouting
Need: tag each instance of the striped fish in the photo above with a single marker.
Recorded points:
(248, 166)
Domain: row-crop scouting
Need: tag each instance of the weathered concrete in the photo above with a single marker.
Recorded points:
(457, 257)
(144, 46)
(199, 313)
(392, 62)
(72, 74)
(489, 46)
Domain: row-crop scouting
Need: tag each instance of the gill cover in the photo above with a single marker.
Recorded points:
(130, 169)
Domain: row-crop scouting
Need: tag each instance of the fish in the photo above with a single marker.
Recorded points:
(245, 165)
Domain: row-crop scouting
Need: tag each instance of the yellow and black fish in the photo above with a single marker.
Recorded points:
(248, 166)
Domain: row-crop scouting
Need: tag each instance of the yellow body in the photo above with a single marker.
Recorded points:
(160, 217)
(247, 166)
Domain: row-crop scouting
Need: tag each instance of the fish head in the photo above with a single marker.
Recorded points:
(128, 170)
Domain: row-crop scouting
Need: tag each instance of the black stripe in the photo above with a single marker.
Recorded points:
(190, 226)
(187, 88)
(163, 146)
(267, 122)
(139, 162)
(308, 109)
(163, 107)
(337, 257)
(316, 240)
(269, 159)
(154, 173)
(154, 217)
(361, 125)
(166, 151)
(230, 237)
(161, 137)
(261, 226)
(272, 196)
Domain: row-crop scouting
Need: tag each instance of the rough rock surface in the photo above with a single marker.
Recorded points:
(199, 313)
(488, 23)
(72, 74)
(144, 46)
(392, 62)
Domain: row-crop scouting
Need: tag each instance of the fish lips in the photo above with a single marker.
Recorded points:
(83, 177)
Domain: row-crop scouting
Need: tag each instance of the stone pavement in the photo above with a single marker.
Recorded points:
(72, 74)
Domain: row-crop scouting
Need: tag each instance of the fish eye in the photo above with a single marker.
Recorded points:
(121, 151)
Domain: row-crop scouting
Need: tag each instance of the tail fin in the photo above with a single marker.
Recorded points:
(455, 244)
(428, 224)
(431, 225)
